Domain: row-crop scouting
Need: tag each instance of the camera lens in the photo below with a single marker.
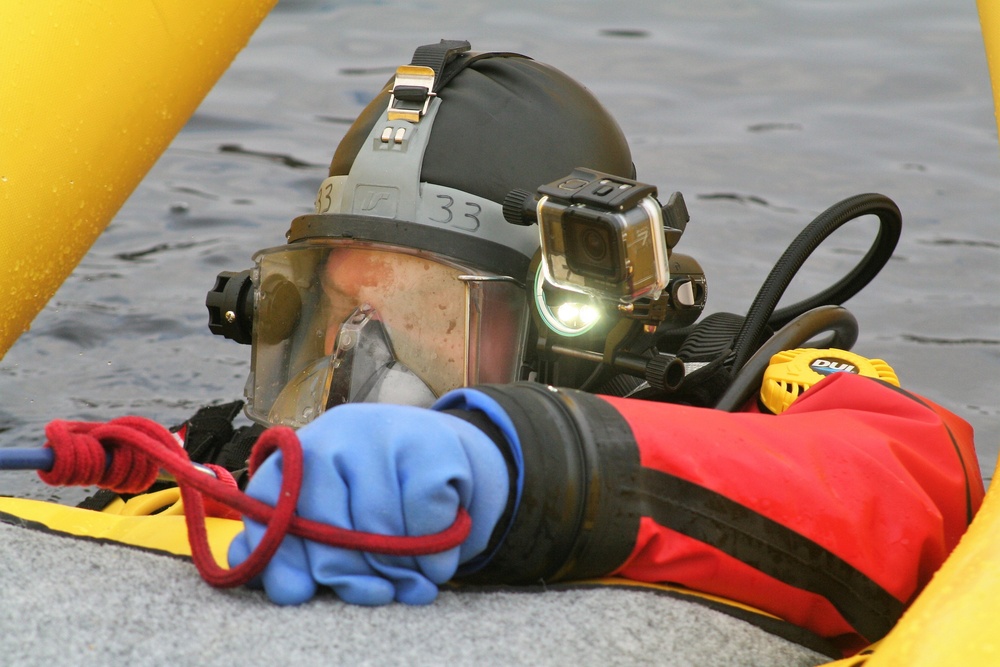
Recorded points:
(595, 245)
(590, 244)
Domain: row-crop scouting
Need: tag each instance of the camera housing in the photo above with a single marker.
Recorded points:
(603, 235)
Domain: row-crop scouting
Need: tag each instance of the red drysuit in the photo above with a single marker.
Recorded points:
(832, 515)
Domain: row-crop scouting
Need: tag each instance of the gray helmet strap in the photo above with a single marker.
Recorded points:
(385, 178)
(384, 181)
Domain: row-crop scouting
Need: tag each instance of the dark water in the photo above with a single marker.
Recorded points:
(762, 113)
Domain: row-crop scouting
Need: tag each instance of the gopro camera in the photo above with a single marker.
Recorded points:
(603, 235)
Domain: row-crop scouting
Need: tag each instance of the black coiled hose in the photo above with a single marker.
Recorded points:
(839, 321)
(762, 314)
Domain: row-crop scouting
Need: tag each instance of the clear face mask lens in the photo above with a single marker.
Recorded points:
(362, 369)
(365, 367)
(350, 322)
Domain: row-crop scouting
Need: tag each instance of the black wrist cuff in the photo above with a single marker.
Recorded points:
(580, 461)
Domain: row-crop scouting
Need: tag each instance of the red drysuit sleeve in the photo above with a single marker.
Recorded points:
(832, 515)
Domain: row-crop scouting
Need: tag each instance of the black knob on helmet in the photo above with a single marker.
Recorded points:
(519, 208)
(230, 306)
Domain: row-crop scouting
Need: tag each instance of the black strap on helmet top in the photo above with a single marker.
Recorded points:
(431, 56)
(436, 56)
(447, 58)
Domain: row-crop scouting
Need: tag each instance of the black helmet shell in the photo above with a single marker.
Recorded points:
(505, 122)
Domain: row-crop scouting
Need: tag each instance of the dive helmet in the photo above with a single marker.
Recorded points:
(407, 281)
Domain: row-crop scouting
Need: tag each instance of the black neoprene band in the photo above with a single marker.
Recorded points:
(578, 452)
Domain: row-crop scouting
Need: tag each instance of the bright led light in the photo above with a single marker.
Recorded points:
(570, 318)
(568, 314)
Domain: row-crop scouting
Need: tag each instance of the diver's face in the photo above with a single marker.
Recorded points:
(421, 303)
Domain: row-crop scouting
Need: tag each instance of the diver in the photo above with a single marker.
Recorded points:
(437, 350)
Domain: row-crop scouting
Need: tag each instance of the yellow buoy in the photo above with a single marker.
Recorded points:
(92, 94)
(989, 18)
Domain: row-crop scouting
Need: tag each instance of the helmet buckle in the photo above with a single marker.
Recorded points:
(411, 94)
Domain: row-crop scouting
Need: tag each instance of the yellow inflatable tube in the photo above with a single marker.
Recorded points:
(989, 18)
(93, 92)
(133, 523)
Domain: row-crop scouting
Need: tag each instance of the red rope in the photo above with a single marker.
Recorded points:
(125, 455)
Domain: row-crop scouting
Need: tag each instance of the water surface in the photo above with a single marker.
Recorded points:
(763, 114)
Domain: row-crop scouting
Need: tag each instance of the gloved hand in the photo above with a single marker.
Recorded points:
(387, 469)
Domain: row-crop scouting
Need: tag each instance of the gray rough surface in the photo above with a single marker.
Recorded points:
(66, 601)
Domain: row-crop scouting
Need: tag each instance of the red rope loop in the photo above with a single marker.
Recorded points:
(125, 455)
(98, 454)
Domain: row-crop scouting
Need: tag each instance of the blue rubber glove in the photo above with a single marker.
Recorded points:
(387, 469)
